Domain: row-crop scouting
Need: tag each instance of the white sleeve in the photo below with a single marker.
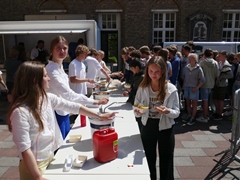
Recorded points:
(59, 103)
(97, 64)
(64, 90)
(72, 70)
(21, 129)
(34, 53)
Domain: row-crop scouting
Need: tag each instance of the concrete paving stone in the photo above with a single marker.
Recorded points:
(12, 173)
(193, 172)
(198, 144)
(8, 139)
(183, 161)
(210, 137)
(203, 161)
(213, 151)
(222, 144)
(3, 170)
(227, 136)
(9, 161)
(184, 137)
(3, 127)
(9, 152)
(181, 152)
(178, 144)
(6, 144)
(4, 134)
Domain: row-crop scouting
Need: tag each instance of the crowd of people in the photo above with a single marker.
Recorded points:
(42, 95)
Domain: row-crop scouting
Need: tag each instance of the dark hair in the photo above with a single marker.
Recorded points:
(191, 43)
(136, 53)
(80, 41)
(135, 63)
(93, 51)
(156, 48)
(28, 90)
(223, 52)
(164, 53)
(208, 52)
(230, 56)
(172, 49)
(215, 53)
(145, 50)
(40, 42)
(186, 47)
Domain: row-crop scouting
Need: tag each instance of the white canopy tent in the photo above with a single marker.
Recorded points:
(30, 32)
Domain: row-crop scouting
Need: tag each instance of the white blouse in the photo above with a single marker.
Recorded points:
(25, 128)
(59, 85)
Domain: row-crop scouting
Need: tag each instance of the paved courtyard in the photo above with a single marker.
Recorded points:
(195, 148)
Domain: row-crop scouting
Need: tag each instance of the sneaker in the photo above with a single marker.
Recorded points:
(228, 113)
(213, 115)
(185, 120)
(191, 122)
(202, 119)
(218, 117)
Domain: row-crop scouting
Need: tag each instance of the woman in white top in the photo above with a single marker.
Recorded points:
(60, 82)
(32, 121)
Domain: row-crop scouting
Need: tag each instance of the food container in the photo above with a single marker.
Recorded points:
(74, 138)
(127, 86)
(79, 161)
(141, 108)
(100, 95)
(97, 124)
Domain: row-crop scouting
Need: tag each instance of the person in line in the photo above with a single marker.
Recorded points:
(220, 88)
(231, 58)
(77, 71)
(193, 79)
(126, 60)
(162, 99)
(32, 121)
(211, 72)
(164, 53)
(136, 68)
(60, 82)
(39, 53)
(11, 65)
(175, 61)
(236, 84)
(156, 49)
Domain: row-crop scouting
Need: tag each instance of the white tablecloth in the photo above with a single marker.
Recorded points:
(131, 161)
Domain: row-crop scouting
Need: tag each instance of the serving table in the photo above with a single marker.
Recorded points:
(130, 162)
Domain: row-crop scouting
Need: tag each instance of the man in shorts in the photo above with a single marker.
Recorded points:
(211, 72)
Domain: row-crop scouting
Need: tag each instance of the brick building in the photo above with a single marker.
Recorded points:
(138, 22)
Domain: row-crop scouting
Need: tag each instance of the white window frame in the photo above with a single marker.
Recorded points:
(164, 29)
(100, 20)
(231, 29)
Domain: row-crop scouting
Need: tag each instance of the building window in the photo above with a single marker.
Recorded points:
(108, 21)
(231, 26)
(164, 26)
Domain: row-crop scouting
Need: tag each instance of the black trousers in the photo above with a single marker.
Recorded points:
(166, 142)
